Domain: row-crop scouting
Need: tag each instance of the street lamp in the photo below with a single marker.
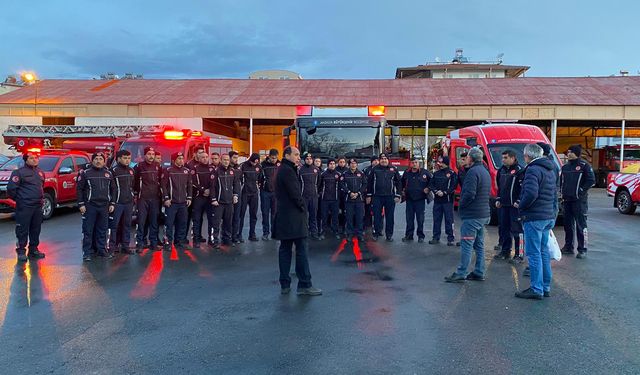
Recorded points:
(30, 78)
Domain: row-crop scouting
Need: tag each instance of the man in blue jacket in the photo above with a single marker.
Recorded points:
(475, 214)
(537, 211)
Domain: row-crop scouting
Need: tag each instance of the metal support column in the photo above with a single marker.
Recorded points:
(250, 136)
(426, 141)
(622, 145)
(554, 132)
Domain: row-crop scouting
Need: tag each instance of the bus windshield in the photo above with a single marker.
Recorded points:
(496, 150)
(360, 143)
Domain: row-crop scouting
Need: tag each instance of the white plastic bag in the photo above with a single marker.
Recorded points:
(554, 248)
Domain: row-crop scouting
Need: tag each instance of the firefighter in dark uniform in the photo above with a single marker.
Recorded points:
(318, 164)
(227, 182)
(443, 186)
(384, 191)
(329, 198)
(236, 236)
(576, 179)
(507, 181)
(310, 179)
(122, 196)
(267, 192)
(176, 196)
(415, 189)
(201, 176)
(146, 187)
(353, 184)
(26, 189)
(368, 212)
(250, 173)
(341, 167)
(198, 154)
(94, 199)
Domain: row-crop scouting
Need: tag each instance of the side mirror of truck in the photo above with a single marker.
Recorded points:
(65, 170)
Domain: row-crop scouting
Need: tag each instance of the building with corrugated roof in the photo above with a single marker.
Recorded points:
(254, 112)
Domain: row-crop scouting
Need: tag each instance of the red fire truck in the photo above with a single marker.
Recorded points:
(607, 159)
(492, 139)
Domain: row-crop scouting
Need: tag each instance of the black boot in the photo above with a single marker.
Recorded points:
(36, 254)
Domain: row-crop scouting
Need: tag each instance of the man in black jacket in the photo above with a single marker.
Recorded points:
(443, 186)
(291, 227)
(267, 194)
(251, 171)
(384, 190)
(146, 187)
(576, 180)
(95, 202)
(368, 212)
(176, 197)
(507, 181)
(310, 179)
(202, 175)
(25, 187)
(475, 214)
(341, 167)
(122, 196)
(329, 198)
(227, 181)
(415, 187)
(353, 184)
(236, 237)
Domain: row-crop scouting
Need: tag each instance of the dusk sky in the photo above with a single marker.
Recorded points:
(318, 39)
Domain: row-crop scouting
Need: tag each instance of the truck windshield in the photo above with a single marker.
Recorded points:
(137, 151)
(360, 143)
(47, 163)
(496, 150)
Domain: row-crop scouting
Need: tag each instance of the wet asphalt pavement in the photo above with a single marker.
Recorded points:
(221, 312)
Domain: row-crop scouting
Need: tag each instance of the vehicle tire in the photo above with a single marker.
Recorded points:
(48, 206)
(624, 203)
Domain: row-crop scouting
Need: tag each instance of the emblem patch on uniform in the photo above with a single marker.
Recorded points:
(277, 164)
(359, 175)
(448, 175)
(131, 172)
(337, 177)
(578, 168)
(15, 178)
(106, 175)
(341, 178)
(392, 169)
(513, 171)
(213, 176)
(424, 176)
(185, 171)
(193, 171)
(231, 173)
(257, 169)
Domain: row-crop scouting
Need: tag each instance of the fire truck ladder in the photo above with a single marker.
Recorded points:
(80, 131)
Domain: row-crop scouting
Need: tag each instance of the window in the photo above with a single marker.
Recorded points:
(47, 163)
(81, 161)
(66, 163)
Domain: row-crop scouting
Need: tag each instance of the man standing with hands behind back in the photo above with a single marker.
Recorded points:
(291, 225)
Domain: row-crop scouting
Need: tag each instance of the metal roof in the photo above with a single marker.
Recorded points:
(391, 92)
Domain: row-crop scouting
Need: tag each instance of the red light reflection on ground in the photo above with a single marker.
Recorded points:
(148, 282)
(357, 253)
(174, 253)
(340, 249)
(202, 272)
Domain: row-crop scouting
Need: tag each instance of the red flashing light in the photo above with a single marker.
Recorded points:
(304, 110)
(196, 133)
(173, 134)
(376, 110)
(34, 150)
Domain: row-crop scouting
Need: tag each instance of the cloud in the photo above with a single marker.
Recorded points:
(203, 50)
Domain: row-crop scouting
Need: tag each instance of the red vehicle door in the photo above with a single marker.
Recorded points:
(66, 177)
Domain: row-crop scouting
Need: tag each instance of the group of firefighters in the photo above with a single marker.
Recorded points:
(341, 198)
